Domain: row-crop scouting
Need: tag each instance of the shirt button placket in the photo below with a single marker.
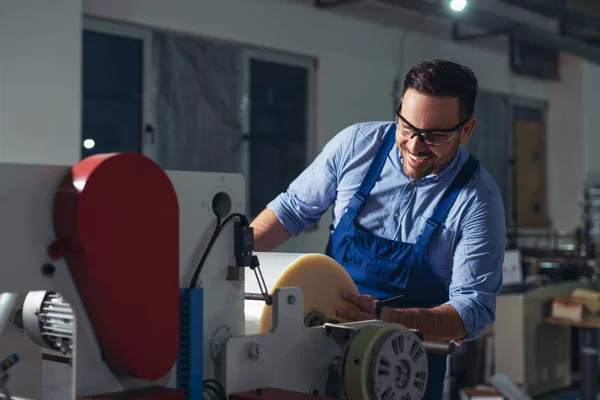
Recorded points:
(405, 198)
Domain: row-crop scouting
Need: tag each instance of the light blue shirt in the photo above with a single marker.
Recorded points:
(467, 250)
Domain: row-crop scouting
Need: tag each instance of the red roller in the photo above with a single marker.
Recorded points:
(116, 218)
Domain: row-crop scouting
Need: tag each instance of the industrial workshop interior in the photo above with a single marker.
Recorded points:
(299, 199)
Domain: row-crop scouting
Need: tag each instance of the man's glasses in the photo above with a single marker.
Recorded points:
(432, 137)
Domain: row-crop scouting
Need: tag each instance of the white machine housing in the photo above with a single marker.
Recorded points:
(28, 193)
(291, 356)
(364, 360)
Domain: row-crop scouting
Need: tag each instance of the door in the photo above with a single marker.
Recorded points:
(530, 169)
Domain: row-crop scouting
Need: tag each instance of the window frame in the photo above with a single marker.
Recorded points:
(148, 118)
(245, 107)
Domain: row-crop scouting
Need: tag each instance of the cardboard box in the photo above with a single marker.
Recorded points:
(578, 306)
(586, 294)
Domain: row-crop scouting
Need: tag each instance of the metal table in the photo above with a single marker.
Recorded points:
(588, 349)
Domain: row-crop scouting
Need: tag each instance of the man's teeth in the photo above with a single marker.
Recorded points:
(419, 158)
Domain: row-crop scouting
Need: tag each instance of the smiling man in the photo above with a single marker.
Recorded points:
(414, 214)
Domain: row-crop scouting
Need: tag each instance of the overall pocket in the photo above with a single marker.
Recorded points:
(370, 257)
(439, 250)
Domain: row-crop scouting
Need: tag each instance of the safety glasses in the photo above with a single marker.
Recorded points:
(431, 137)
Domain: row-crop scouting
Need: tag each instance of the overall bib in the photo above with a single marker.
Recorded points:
(386, 268)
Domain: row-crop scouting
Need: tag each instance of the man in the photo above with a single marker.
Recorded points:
(414, 214)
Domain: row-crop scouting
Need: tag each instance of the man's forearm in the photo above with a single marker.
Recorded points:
(269, 233)
(439, 323)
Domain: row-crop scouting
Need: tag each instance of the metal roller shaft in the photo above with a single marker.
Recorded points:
(254, 296)
(259, 297)
(434, 347)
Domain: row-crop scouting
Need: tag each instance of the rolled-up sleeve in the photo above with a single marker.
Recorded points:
(477, 270)
(314, 190)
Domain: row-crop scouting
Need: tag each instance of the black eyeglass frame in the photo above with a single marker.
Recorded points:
(422, 132)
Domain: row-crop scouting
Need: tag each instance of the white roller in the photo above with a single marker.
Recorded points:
(272, 266)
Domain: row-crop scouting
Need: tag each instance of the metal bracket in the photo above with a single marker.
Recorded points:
(316, 318)
(456, 36)
(216, 342)
(296, 357)
(333, 3)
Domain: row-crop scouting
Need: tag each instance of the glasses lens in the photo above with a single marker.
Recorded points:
(436, 139)
(430, 138)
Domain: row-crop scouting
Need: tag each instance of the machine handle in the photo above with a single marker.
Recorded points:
(434, 347)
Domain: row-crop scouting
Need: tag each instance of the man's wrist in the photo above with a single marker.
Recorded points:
(390, 315)
(439, 323)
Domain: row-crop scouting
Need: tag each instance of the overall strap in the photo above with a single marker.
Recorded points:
(448, 199)
(370, 178)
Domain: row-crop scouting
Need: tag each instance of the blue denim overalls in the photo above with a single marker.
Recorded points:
(386, 268)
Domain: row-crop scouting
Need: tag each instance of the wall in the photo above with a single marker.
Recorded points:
(591, 121)
(40, 78)
(40, 70)
(565, 143)
(357, 63)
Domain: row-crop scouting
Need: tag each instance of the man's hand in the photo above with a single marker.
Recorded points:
(367, 309)
(438, 323)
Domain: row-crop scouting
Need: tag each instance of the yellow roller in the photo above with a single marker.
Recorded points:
(322, 281)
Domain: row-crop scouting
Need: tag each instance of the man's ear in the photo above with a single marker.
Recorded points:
(467, 131)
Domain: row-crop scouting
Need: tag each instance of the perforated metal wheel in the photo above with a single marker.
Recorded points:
(385, 363)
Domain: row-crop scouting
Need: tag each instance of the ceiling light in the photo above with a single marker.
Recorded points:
(458, 5)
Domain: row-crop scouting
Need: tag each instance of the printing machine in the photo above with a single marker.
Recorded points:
(138, 274)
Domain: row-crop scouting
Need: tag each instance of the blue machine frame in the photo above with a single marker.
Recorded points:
(190, 360)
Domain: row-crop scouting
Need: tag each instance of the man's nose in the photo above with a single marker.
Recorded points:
(416, 145)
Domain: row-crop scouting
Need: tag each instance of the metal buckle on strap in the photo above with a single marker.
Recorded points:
(428, 229)
(361, 197)
(431, 223)
(355, 203)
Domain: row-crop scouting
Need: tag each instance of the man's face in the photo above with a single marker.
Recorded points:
(429, 113)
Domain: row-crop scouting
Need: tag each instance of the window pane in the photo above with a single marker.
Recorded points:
(278, 129)
(112, 94)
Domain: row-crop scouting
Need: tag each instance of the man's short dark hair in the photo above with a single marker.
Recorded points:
(444, 78)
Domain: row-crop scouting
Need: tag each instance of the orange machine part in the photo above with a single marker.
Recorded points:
(116, 217)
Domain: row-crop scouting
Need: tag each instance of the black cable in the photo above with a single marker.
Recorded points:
(220, 225)
(217, 389)
(210, 393)
(242, 217)
(212, 241)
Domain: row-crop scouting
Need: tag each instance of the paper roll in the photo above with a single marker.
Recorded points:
(321, 279)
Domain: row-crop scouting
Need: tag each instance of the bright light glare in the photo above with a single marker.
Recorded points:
(89, 143)
(458, 5)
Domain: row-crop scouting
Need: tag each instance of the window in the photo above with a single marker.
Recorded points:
(116, 113)
(214, 106)
(278, 120)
